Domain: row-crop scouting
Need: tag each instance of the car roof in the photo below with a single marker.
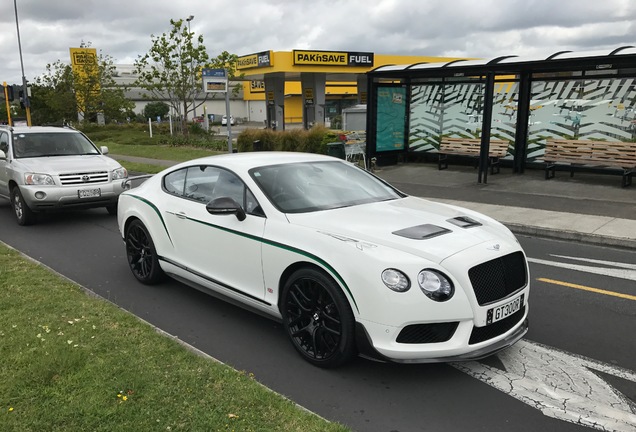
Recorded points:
(248, 160)
(42, 129)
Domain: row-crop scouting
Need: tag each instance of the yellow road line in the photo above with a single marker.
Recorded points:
(586, 288)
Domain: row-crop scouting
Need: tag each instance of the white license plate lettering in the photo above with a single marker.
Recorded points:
(89, 193)
(504, 311)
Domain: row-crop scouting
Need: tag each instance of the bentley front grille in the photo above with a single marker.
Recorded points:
(498, 278)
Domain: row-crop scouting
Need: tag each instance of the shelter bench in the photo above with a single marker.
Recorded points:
(586, 154)
(471, 147)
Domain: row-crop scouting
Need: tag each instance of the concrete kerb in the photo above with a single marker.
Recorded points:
(556, 234)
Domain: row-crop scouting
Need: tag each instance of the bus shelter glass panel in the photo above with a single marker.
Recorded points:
(454, 110)
(582, 109)
(504, 112)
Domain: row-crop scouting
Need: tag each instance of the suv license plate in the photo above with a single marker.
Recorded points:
(504, 311)
(89, 193)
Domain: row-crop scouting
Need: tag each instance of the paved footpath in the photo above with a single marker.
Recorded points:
(589, 209)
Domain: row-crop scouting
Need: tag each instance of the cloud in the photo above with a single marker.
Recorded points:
(466, 28)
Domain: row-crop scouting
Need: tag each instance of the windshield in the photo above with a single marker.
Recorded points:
(28, 145)
(312, 186)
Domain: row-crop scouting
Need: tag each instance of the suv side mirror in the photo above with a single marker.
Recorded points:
(104, 150)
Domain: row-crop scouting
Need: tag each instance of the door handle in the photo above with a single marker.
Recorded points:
(181, 215)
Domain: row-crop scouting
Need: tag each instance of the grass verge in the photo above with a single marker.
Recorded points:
(135, 167)
(178, 154)
(137, 142)
(73, 362)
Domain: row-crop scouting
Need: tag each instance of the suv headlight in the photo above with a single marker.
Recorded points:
(435, 285)
(120, 173)
(38, 179)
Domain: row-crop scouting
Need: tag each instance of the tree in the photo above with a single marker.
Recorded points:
(156, 109)
(62, 94)
(52, 96)
(171, 69)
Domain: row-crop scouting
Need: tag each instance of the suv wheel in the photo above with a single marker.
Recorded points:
(23, 213)
(112, 210)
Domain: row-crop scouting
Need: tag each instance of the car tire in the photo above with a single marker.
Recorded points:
(112, 209)
(23, 214)
(142, 255)
(318, 319)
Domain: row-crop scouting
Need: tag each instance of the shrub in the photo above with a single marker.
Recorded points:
(269, 139)
(298, 140)
(292, 140)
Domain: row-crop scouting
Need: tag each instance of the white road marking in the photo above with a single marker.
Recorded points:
(620, 270)
(594, 261)
(560, 385)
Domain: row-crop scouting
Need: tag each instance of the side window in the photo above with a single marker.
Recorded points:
(251, 205)
(200, 183)
(175, 182)
(4, 142)
(229, 185)
(206, 183)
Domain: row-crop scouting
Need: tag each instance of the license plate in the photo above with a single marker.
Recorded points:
(504, 311)
(89, 193)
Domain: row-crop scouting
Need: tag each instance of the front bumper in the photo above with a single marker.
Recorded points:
(50, 198)
(382, 346)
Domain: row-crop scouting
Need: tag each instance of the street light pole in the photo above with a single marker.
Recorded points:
(27, 105)
(194, 91)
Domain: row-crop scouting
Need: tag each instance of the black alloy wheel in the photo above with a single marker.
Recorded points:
(142, 255)
(318, 319)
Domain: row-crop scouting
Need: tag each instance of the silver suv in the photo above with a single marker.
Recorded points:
(53, 168)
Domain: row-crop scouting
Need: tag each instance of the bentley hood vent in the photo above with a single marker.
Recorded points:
(422, 232)
(464, 222)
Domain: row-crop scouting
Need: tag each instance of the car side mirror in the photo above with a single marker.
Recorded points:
(3, 155)
(225, 206)
(104, 150)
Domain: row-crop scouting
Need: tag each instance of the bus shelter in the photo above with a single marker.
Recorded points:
(524, 101)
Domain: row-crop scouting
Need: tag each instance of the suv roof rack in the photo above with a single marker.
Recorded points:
(62, 125)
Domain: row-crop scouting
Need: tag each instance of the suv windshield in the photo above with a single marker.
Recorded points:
(28, 145)
(313, 186)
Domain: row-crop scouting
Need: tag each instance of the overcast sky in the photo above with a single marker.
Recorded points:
(457, 28)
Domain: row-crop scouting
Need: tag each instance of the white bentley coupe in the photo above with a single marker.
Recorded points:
(349, 264)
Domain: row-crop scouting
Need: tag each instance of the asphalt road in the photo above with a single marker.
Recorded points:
(370, 396)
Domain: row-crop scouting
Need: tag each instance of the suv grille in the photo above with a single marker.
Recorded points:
(497, 279)
(84, 178)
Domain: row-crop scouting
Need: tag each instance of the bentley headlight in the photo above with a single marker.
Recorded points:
(38, 179)
(120, 173)
(396, 280)
(435, 285)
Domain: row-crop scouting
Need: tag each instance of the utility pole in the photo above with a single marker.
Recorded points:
(194, 90)
(27, 103)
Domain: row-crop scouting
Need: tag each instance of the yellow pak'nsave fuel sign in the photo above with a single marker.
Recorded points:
(333, 58)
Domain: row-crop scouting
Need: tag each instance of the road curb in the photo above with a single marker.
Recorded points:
(586, 238)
